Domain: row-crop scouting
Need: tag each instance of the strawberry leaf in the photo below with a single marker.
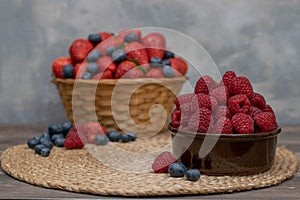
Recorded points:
(142, 69)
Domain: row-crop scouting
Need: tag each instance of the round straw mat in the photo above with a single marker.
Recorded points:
(79, 171)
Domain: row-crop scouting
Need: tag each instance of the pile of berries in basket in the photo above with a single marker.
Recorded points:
(127, 55)
(228, 107)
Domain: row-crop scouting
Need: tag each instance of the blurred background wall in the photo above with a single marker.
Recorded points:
(259, 39)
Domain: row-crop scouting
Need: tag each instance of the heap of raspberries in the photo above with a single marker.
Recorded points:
(228, 107)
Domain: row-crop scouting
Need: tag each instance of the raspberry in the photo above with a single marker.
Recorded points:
(223, 126)
(184, 121)
(200, 120)
(188, 109)
(92, 129)
(227, 78)
(258, 101)
(241, 85)
(175, 116)
(268, 108)
(242, 123)
(73, 140)
(265, 121)
(253, 111)
(222, 111)
(162, 162)
(221, 94)
(204, 84)
(186, 98)
(175, 124)
(204, 100)
(239, 104)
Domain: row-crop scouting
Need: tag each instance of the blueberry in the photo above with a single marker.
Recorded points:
(130, 37)
(46, 135)
(101, 140)
(168, 54)
(37, 137)
(45, 152)
(94, 38)
(177, 170)
(132, 136)
(68, 71)
(125, 138)
(46, 142)
(166, 62)
(92, 68)
(54, 137)
(192, 174)
(93, 56)
(38, 148)
(66, 127)
(118, 55)
(59, 142)
(32, 143)
(110, 50)
(113, 136)
(168, 71)
(54, 129)
(155, 62)
(86, 76)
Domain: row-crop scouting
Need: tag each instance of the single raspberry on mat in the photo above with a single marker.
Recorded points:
(221, 94)
(242, 123)
(241, 85)
(204, 100)
(253, 111)
(239, 104)
(227, 78)
(73, 140)
(204, 85)
(200, 120)
(258, 101)
(186, 98)
(162, 162)
(265, 121)
(223, 126)
(221, 111)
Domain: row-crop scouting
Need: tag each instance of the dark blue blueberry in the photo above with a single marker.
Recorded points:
(59, 142)
(92, 68)
(177, 170)
(46, 135)
(94, 38)
(45, 152)
(93, 56)
(66, 127)
(166, 62)
(68, 71)
(113, 136)
(168, 71)
(54, 129)
(54, 137)
(132, 136)
(110, 50)
(32, 143)
(37, 137)
(155, 62)
(124, 138)
(118, 55)
(38, 148)
(46, 142)
(130, 37)
(86, 76)
(192, 174)
(168, 54)
(101, 140)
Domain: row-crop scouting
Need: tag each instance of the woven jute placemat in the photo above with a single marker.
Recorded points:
(80, 171)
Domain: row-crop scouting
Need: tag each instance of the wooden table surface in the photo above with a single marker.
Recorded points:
(11, 188)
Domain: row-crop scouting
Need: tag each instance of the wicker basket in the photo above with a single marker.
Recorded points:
(122, 104)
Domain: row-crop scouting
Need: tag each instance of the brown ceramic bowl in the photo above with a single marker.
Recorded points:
(232, 154)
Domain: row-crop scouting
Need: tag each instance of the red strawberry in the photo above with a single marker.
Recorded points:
(162, 162)
(136, 31)
(106, 63)
(136, 52)
(58, 65)
(79, 69)
(136, 72)
(105, 35)
(154, 73)
(92, 129)
(79, 50)
(115, 41)
(73, 139)
(155, 44)
(123, 68)
(103, 75)
(179, 65)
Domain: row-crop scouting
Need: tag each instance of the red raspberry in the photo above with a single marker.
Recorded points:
(80, 49)
(258, 101)
(184, 121)
(221, 94)
(204, 85)
(186, 98)
(188, 109)
(241, 85)
(200, 120)
(162, 162)
(176, 114)
(265, 121)
(239, 104)
(175, 124)
(227, 78)
(73, 140)
(253, 111)
(204, 100)
(222, 111)
(223, 126)
(242, 123)
(268, 109)
(92, 129)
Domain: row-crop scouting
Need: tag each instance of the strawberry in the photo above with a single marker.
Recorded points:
(106, 63)
(73, 139)
(79, 69)
(92, 129)
(115, 41)
(136, 31)
(135, 51)
(136, 72)
(179, 65)
(105, 35)
(79, 50)
(103, 75)
(162, 162)
(58, 65)
(123, 68)
(155, 73)
(155, 44)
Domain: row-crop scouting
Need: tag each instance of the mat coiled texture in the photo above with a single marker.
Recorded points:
(79, 171)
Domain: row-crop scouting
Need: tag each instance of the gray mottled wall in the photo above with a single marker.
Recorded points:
(259, 39)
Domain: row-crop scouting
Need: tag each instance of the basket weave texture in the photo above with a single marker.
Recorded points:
(122, 104)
